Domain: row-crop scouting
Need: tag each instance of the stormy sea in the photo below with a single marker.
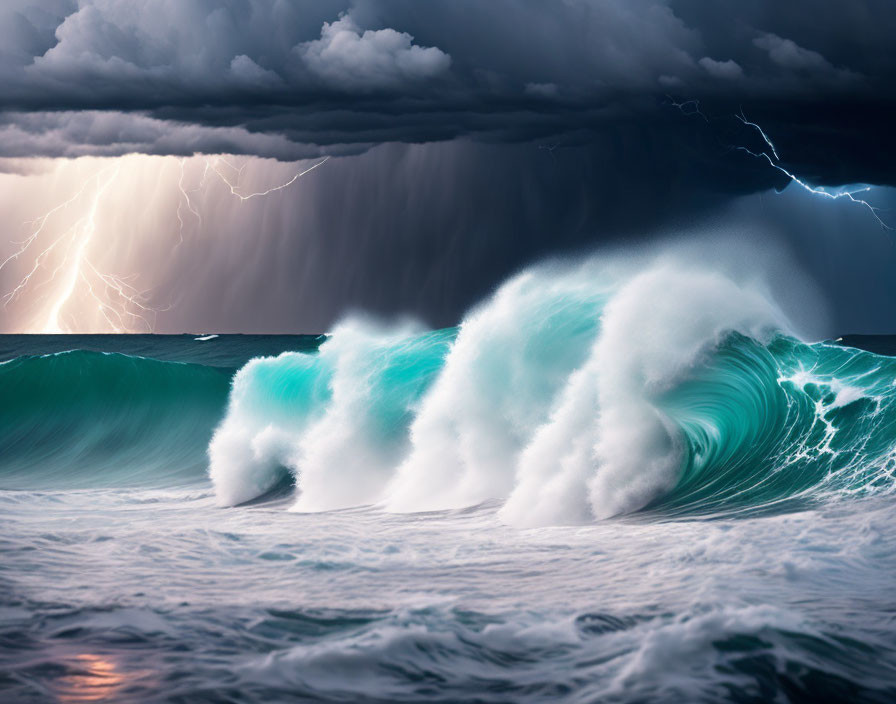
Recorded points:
(645, 487)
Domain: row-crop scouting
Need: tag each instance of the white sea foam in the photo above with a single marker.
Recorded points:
(605, 433)
(337, 419)
(511, 358)
(544, 399)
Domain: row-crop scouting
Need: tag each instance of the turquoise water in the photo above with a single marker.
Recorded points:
(547, 503)
(758, 426)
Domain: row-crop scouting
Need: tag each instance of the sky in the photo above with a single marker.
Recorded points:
(272, 166)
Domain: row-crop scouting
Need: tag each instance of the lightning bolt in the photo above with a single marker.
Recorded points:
(837, 195)
(40, 223)
(123, 306)
(87, 232)
(235, 188)
(185, 200)
(76, 264)
(765, 137)
(774, 161)
(688, 107)
(818, 191)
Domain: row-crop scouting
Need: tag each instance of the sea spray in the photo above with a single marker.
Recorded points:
(575, 393)
(336, 419)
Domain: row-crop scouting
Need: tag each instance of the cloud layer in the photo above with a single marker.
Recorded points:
(362, 61)
(290, 79)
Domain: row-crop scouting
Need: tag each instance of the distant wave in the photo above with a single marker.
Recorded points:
(90, 419)
(574, 394)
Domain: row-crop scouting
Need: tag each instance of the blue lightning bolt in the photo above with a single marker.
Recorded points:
(848, 194)
(688, 107)
(765, 137)
(692, 107)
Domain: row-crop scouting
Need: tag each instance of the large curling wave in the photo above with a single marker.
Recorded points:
(573, 394)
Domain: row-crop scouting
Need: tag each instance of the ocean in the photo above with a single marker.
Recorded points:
(583, 493)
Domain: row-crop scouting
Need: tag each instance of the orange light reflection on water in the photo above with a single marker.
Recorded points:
(94, 678)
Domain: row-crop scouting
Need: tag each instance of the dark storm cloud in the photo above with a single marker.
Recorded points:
(285, 79)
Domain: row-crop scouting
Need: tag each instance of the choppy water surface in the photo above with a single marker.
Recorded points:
(644, 489)
(161, 596)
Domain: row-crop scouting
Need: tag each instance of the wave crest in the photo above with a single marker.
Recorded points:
(573, 394)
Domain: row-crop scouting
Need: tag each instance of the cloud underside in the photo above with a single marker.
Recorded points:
(295, 80)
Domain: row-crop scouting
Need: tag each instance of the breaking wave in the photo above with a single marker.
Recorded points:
(573, 394)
